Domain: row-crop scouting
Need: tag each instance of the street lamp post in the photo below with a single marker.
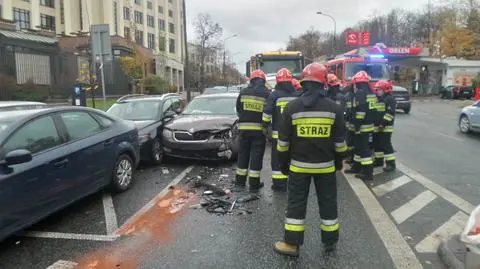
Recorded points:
(334, 30)
(225, 53)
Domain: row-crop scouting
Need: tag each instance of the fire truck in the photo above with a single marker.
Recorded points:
(270, 62)
(346, 65)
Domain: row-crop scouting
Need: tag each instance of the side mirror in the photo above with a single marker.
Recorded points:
(18, 156)
(169, 114)
(178, 110)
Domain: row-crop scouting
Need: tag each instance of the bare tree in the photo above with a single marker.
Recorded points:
(207, 32)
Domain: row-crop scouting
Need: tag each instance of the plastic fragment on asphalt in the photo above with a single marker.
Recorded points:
(165, 171)
(61, 264)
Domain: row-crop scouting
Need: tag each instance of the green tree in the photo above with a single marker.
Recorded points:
(156, 85)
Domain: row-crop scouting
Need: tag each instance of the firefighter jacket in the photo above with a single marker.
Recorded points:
(335, 94)
(250, 105)
(385, 112)
(364, 111)
(348, 106)
(311, 135)
(276, 102)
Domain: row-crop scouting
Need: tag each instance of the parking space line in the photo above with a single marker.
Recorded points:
(402, 255)
(70, 236)
(391, 185)
(152, 202)
(437, 189)
(61, 264)
(409, 209)
(111, 222)
(449, 136)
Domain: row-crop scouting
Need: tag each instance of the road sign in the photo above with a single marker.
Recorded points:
(352, 38)
(365, 41)
(101, 51)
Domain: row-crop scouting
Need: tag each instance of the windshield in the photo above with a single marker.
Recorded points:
(214, 90)
(377, 71)
(213, 106)
(271, 66)
(136, 110)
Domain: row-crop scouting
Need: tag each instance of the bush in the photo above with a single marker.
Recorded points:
(156, 85)
(29, 91)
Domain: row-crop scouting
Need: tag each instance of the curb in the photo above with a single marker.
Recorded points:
(451, 252)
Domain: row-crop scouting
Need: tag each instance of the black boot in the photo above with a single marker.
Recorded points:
(355, 169)
(280, 186)
(255, 184)
(390, 167)
(378, 162)
(329, 247)
(367, 173)
(239, 184)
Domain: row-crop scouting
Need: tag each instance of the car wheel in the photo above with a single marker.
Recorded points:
(406, 111)
(464, 124)
(157, 152)
(122, 177)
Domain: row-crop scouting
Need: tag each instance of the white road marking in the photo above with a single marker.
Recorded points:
(449, 136)
(407, 210)
(437, 189)
(70, 236)
(61, 264)
(152, 202)
(377, 171)
(453, 226)
(111, 222)
(402, 255)
(391, 185)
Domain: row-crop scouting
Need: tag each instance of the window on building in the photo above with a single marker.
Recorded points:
(160, 9)
(161, 43)
(48, 3)
(115, 17)
(126, 33)
(21, 18)
(138, 17)
(161, 25)
(170, 13)
(151, 41)
(126, 13)
(47, 22)
(171, 28)
(149, 5)
(139, 37)
(150, 21)
(138, 2)
(171, 45)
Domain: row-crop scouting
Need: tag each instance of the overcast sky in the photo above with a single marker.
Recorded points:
(263, 25)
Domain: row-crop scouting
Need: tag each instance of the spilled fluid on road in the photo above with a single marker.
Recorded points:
(144, 233)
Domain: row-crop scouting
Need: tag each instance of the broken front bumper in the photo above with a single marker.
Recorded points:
(213, 149)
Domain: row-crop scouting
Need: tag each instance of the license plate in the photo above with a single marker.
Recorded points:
(466, 92)
(399, 98)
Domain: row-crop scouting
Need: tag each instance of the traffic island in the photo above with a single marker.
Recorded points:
(456, 255)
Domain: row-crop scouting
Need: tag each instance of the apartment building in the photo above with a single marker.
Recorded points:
(154, 24)
(212, 59)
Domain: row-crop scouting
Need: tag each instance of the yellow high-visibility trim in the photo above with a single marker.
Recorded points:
(281, 148)
(294, 228)
(313, 121)
(303, 170)
(341, 149)
(330, 228)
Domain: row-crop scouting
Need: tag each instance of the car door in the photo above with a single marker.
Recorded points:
(91, 151)
(32, 190)
(475, 116)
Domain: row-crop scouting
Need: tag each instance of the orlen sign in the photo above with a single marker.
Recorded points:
(381, 48)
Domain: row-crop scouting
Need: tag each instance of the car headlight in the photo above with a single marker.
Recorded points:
(167, 134)
(227, 134)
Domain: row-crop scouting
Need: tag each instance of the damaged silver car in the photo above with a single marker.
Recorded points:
(205, 130)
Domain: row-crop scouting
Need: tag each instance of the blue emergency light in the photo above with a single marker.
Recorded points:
(377, 56)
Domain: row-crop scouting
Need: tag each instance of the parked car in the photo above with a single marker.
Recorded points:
(149, 113)
(402, 97)
(52, 157)
(457, 92)
(20, 105)
(221, 89)
(469, 118)
(206, 129)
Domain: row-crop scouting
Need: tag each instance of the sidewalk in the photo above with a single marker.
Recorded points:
(205, 240)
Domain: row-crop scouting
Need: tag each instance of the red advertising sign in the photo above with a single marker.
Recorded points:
(365, 41)
(352, 39)
(381, 48)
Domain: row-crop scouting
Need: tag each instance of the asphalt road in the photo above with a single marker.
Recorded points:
(396, 221)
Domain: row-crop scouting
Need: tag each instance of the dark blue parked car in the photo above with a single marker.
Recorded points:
(52, 157)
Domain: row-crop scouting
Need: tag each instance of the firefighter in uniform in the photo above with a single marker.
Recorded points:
(250, 104)
(334, 92)
(363, 113)
(276, 102)
(386, 114)
(311, 144)
(348, 104)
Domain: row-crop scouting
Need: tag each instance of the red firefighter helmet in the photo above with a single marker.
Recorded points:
(384, 85)
(361, 76)
(296, 84)
(332, 80)
(284, 75)
(315, 72)
(258, 74)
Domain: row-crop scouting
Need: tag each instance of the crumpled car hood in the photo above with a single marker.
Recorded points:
(201, 123)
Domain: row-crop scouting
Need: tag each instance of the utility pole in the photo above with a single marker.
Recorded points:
(186, 71)
(334, 47)
(225, 54)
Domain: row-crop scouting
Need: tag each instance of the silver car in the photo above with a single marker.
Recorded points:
(469, 118)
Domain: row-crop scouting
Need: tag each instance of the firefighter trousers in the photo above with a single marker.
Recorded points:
(384, 148)
(278, 178)
(362, 158)
(250, 157)
(378, 150)
(350, 142)
(298, 189)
